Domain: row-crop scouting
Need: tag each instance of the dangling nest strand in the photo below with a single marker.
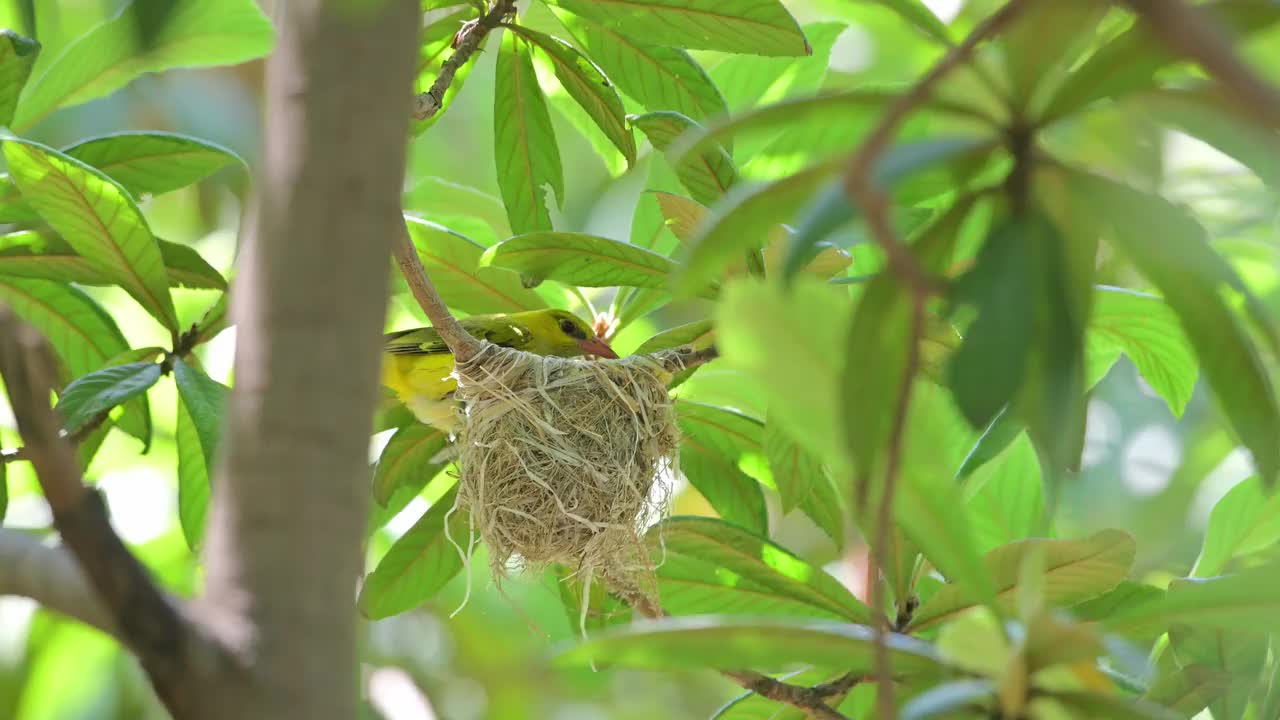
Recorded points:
(560, 459)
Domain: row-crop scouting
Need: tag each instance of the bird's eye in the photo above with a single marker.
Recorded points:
(568, 327)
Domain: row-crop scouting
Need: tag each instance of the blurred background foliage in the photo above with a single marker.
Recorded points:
(1144, 469)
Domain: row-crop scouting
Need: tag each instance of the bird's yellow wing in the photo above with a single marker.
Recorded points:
(416, 366)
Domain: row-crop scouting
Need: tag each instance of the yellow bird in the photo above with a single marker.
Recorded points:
(417, 364)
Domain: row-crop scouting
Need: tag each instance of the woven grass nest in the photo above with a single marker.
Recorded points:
(560, 460)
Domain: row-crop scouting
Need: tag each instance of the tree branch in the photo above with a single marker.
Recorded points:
(149, 623)
(873, 202)
(52, 577)
(467, 41)
(460, 342)
(1195, 34)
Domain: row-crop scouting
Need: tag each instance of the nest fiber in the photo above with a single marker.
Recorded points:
(560, 459)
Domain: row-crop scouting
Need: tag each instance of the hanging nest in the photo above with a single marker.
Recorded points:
(560, 460)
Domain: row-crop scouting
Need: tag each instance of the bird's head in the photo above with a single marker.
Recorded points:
(561, 333)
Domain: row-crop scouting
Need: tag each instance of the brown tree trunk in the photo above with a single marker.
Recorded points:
(291, 492)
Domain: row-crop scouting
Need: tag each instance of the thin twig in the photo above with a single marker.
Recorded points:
(149, 623)
(1194, 33)
(468, 39)
(810, 700)
(873, 202)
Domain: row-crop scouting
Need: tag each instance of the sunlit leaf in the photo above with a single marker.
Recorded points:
(710, 566)
(1005, 496)
(1240, 654)
(1246, 520)
(802, 482)
(1075, 570)
(35, 254)
(707, 174)
(97, 218)
(17, 57)
(196, 33)
(202, 401)
(1147, 331)
(1247, 600)
(761, 27)
(453, 262)
(525, 146)
(589, 88)
(765, 644)
(153, 163)
(579, 259)
(100, 391)
(419, 564)
(712, 440)
(406, 461)
(750, 81)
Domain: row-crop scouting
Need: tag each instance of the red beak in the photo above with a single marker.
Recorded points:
(599, 348)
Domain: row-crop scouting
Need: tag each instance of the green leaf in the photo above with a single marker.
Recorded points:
(196, 33)
(988, 369)
(1203, 113)
(754, 320)
(739, 222)
(697, 334)
(36, 254)
(919, 16)
(136, 418)
(657, 77)
(1112, 707)
(4, 491)
(707, 174)
(759, 27)
(802, 482)
(17, 57)
(453, 262)
(1241, 654)
(749, 81)
(1247, 600)
(588, 86)
(214, 321)
(406, 461)
(579, 259)
(418, 564)
(712, 441)
(436, 197)
(1005, 496)
(763, 644)
(1171, 249)
(1147, 331)
(1129, 62)
(1041, 39)
(201, 406)
(1188, 690)
(1075, 570)
(100, 391)
(98, 218)
(707, 565)
(525, 146)
(942, 700)
(1245, 521)
(153, 163)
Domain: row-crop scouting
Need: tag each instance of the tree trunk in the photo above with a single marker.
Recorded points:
(309, 302)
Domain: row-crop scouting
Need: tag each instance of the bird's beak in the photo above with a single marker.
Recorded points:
(599, 348)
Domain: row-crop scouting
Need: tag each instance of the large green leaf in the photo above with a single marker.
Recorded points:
(1146, 330)
(1245, 521)
(35, 254)
(17, 57)
(580, 259)
(918, 15)
(1130, 61)
(712, 441)
(760, 27)
(525, 146)
(151, 162)
(708, 173)
(1005, 496)
(453, 262)
(754, 320)
(588, 86)
(710, 566)
(1074, 571)
(749, 81)
(406, 461)
(98, 218)
(100, 391)
(436, 196)
(82, 334)
(657, 77)
(196, 33)
(802, 482)
(1247, 600)
(419, 563)
(1041, 39)
(1084, 704)
(201, 404)
(1187, 690)
(1171, 249)
(764, 644)
(1240, 654)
